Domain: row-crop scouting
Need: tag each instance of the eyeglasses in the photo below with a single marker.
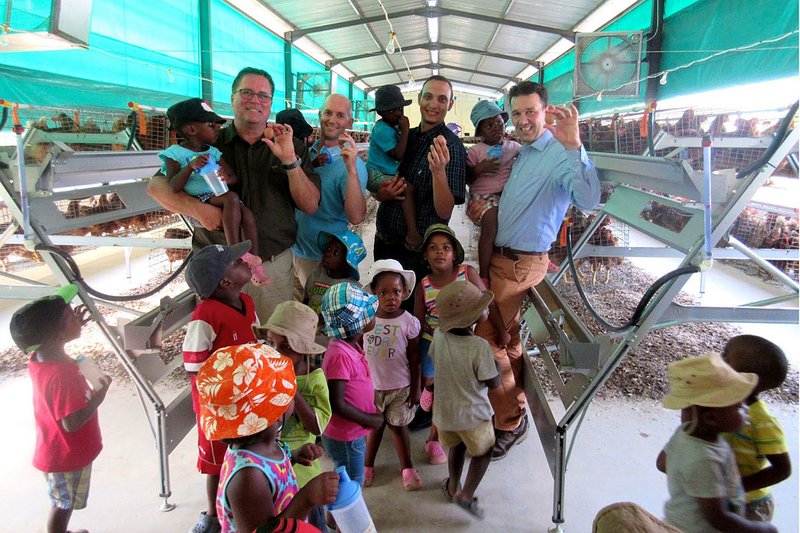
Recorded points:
(248, 94)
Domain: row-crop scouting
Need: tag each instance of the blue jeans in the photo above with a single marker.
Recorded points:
(425, 359)
(349, 454)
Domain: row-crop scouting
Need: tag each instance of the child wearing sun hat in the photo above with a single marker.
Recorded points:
(291, 330)
(246, 392)
(705, 488)
(348, 312)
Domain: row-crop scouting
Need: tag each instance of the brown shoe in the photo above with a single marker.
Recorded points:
(505, 440)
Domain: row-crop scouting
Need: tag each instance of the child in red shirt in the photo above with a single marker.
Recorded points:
(64, 406)
(224, 317)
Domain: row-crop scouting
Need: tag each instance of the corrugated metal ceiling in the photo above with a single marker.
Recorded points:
(483, 43)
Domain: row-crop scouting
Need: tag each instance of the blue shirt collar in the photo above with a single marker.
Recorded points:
(543, 140)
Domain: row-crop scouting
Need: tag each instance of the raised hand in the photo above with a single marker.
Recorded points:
(282, 144)
(565, 128)
(349, 151)
(439, 155)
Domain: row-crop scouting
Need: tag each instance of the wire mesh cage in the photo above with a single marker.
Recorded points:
(93, 129)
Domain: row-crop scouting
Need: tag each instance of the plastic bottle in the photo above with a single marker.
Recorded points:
(495, 152)
(332, 153)
(211, 174)
(349, 509)
(90, 371)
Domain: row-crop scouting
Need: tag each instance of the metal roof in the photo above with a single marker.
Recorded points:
(482, 43)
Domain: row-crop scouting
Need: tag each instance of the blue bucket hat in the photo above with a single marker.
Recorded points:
(486, 109)
(356, 251)
(346, 309)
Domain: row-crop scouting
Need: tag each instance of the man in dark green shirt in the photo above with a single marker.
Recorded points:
(274, 178)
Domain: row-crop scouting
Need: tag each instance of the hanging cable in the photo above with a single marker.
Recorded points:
(639, 311)
(395, 39)
(4, 118)
(76, 272)
(773, 147)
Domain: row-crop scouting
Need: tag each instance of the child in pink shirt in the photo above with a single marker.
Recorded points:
(393, 354)
(488, 169)
(348, 312)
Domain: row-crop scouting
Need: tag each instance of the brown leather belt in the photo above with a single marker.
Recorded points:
(514, 254)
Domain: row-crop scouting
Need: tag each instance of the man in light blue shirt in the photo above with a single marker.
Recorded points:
(552, 170)
(343, 177)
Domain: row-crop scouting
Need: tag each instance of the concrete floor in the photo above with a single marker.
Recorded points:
(612, 459)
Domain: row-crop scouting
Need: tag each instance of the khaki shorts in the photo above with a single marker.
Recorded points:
(478, 440)
(392, 403)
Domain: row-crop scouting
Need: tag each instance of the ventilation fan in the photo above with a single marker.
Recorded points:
(609, 62)
(312, 89)
(361, 110)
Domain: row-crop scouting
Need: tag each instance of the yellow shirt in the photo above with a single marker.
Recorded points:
(760, 437)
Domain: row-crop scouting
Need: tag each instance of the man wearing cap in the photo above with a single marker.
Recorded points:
(275, 177)
(434, 163)
(552, 170)
(344, 183)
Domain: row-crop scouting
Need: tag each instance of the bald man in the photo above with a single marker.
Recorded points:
(344, 180)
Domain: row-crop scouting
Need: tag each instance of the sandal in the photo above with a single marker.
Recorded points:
(369, 473)
(446, 491)
(436, 455)
(426, 400)
(411, 479)
(471, 507)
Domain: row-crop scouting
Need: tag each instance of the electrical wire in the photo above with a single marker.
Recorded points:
(76, 272)
(4, 118)
(639, 311)
(777, 139)
(396, 40)
(742, 48)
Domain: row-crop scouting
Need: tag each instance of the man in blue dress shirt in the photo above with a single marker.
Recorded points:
(552, 170)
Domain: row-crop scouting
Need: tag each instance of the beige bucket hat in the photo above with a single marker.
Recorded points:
(460, 304)
(707, 381)
(295, 321)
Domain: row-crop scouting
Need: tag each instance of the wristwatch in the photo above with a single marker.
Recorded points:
(290, 166)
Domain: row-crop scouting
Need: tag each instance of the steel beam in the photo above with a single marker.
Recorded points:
(439, 66)
(437, 46)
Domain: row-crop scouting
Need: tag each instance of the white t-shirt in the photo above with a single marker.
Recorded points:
(386, 348)
(462, 363)
(698, 469)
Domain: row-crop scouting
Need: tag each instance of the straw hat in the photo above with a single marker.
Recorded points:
(243, 390)
(295, 321)
(707, 381)
(460, 304)
(392, 265)
(627, 517)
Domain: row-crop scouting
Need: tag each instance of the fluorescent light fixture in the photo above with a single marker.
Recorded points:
(435, 57)
(555, 51)
(433, 30)
(605, 12)
(432, 3)
(262, 15)
(435, 71)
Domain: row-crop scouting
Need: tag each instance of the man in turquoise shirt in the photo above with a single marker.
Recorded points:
(552, 170)
(343, 177)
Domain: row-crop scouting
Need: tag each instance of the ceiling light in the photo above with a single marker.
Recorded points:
(411, 85)
(390, 46)
(433, 30)
(435, 71)
(435, 56)
(663, 80)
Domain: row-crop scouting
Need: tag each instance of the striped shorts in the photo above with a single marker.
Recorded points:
(69, 490)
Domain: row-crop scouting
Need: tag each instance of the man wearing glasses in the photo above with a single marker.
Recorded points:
(274, 177)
